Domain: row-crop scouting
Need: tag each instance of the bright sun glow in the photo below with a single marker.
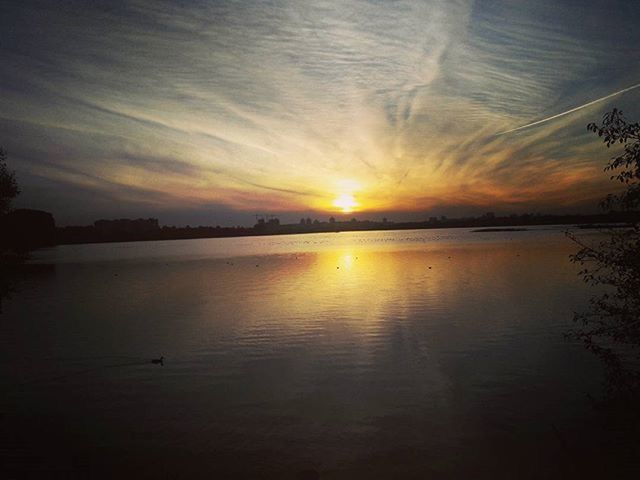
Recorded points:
(346, 202)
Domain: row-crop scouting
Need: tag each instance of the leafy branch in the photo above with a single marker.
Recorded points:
(611, 327)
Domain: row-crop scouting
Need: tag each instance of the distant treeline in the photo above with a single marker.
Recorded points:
(127, 230)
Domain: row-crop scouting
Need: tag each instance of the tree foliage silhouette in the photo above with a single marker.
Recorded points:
(8, 191)
(8, 185)
(611, 326)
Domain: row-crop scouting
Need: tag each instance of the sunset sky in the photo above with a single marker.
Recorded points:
(207, 112)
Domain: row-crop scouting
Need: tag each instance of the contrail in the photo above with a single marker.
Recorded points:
(548, 119)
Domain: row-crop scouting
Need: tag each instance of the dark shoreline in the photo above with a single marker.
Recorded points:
(112, 231)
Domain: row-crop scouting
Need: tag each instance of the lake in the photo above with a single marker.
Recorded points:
(395, 354)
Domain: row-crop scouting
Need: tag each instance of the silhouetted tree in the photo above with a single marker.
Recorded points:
(8, 185)
(611, 327)
(8, 191)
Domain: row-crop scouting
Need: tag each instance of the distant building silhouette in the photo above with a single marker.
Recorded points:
(266, 224)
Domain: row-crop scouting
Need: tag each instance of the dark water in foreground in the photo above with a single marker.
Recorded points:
(410, 354)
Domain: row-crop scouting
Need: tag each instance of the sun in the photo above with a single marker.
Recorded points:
(346, 203)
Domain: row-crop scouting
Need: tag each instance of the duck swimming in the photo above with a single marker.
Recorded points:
(158, 361)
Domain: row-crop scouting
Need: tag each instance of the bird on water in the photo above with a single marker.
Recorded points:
(158, 361)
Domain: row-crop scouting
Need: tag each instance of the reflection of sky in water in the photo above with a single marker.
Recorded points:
(352, 359)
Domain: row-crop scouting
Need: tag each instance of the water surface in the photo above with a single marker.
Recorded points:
(406, 354)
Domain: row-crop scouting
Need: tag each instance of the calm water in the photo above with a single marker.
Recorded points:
(409, 354)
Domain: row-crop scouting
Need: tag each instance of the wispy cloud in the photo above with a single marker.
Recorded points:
(575, 109)
(245, 105)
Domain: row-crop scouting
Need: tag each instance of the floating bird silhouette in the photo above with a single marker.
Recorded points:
(158, 361)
